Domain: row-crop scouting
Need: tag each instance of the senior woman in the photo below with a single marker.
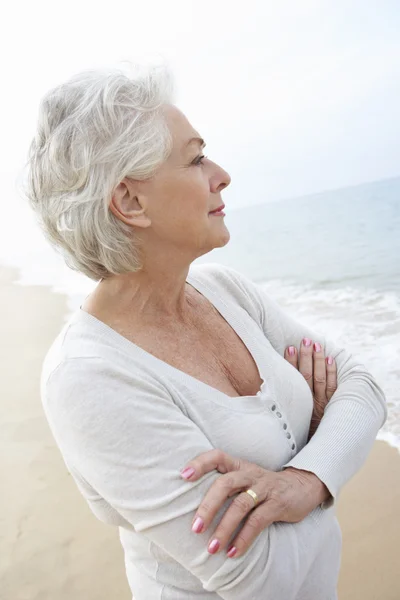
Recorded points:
(193, 412)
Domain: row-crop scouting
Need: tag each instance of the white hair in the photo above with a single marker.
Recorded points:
(93, 130)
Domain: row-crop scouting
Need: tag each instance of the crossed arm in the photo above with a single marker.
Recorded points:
(104, 428)
(287, 496)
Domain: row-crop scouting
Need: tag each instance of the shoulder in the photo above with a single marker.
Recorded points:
(83, 392)
(96, 377)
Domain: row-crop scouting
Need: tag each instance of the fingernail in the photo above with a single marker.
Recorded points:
(232, 551)
(330, 360)
(307, 342)
(317, 347)
(197, 525)
(188, 472)
(213, 546)
(291, 350)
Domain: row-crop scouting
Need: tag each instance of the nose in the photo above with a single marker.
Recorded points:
(220, 180)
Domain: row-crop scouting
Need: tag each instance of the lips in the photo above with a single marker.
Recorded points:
(218, 209)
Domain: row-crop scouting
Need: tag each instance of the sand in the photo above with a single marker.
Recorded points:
(368, 512)
(53, 548)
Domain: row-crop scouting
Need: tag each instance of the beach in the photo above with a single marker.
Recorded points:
(52, 547)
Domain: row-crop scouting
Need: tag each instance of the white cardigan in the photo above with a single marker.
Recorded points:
(126, 423)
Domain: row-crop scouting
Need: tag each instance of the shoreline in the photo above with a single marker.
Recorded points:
(54, 547)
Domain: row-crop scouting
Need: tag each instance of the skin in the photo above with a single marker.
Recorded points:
(170, 215)
(288, 495)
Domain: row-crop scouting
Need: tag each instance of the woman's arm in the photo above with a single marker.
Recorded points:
(126, 437)
(354, 414)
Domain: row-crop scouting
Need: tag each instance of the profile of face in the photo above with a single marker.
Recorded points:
(171, 210)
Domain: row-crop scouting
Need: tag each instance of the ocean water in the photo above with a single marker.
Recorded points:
(332, 260)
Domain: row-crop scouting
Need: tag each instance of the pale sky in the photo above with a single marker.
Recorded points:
(292, 97)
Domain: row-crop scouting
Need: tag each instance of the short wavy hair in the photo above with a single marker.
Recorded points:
(93, 130)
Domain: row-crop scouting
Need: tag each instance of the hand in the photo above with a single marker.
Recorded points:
(319, 374)
(288, 495)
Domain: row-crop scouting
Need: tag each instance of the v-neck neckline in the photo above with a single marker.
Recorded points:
(230, 314)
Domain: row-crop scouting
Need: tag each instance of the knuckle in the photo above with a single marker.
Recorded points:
(205, 508)
(258, 471)
(319, 404)
(319, 379)
(208, 455)
(307, 376)
(219, 455)
(331, 388)
(241, 542)
(222, 532)
(226, 482)
(278, 497)
(256, 521)
(241, 504)
(237, 464)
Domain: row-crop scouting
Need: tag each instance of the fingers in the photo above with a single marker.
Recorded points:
(222, 488)
(331, 378)
(208, 461)
(319, 377)
(260, 518)
(315, 368)
(302, 361)
(241, 507)
(291, 356)
(306, 362)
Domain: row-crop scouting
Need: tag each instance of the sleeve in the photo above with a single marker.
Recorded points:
(354, 414)
(129, 441)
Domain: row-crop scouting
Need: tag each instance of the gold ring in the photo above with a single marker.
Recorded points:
(253, 495)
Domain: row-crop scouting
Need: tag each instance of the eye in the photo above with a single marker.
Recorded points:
(199, 160)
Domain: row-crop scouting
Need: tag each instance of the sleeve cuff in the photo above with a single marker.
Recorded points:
(336, 451)
(333, 497)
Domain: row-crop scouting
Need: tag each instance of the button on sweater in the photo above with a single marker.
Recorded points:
(126, 423)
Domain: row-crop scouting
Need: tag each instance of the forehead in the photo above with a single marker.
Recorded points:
(181, 130)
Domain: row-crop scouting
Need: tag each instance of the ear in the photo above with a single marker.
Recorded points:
(129, 205)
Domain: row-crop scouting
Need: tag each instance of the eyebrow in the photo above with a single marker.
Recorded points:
(197, 139)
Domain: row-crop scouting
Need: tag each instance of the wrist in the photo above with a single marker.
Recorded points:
(317, 488)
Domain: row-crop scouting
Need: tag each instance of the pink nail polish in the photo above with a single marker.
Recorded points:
(231, 551)
(330, 360)
(291, 351)
(188, 472)
(307, 342)
(198, 525)
(317, 347)
(213, 546)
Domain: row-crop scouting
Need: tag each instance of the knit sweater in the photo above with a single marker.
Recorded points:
(127, 422)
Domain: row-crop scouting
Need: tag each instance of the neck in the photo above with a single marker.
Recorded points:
(155, 296)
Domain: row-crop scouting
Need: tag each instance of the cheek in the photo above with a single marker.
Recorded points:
(183, 198)
(191, 192)
(193, 181)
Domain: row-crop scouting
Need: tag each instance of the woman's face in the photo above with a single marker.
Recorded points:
(181, 195)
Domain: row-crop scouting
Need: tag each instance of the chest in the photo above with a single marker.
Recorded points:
(209, 350)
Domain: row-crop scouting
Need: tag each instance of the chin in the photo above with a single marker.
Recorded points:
(224, 238)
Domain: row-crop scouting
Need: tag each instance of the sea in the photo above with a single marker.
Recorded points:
(331, 260)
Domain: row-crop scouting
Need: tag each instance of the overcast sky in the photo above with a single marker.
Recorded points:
(292, 97)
